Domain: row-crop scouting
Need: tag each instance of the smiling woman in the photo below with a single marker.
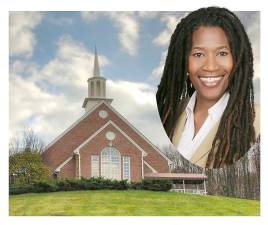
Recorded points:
(205, 98)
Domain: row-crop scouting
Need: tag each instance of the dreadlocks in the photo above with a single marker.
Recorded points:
(236, 132)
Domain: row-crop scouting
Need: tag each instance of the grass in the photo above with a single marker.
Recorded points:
(128, 203)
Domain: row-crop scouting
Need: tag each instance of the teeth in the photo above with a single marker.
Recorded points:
(210, 79)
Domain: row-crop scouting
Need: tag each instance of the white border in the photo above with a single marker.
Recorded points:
(103, 5)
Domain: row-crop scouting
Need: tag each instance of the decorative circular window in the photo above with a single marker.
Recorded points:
(103, 114)
(110, 135)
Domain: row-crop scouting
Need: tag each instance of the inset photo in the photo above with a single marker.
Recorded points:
(208, 96)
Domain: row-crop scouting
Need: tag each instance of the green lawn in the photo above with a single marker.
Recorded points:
(128, 203)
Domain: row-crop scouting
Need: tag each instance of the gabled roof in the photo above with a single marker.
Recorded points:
(119, 115)
(77, 150)
(139, 133)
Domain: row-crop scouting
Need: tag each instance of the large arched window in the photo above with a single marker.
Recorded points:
(111, 163)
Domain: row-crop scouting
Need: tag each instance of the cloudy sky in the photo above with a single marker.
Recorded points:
(51, 58)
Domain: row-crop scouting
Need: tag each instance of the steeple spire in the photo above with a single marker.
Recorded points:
(96, 70)
(96, 87)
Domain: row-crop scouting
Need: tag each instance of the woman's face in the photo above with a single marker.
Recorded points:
(210, 63)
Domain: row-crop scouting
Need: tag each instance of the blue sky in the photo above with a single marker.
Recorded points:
(51, 58)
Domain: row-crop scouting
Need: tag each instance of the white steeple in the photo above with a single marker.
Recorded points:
(96, 70)
(96, 87)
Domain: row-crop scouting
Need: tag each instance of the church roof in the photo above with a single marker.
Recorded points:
(68, 150)
(177, 176)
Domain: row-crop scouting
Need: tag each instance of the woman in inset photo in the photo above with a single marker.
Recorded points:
(205, 98)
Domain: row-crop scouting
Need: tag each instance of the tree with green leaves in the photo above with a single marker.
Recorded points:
(25, 161)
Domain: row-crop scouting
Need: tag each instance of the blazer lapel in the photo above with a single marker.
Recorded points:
(201, 154)
(179, 129)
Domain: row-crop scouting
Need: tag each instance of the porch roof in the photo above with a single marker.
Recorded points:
(177, 176)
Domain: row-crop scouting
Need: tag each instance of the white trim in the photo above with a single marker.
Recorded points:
(74, 124)
(147, 164)
(63, 164)
(79, 167)
(101, 129)
(142, 168)
(139, 133)
(77, 150)
(121, 117)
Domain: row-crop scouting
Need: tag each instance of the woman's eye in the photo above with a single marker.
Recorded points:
(198, 54)
(223, 53)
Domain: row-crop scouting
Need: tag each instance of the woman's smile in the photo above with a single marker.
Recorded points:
(210, 63)
(211, 81)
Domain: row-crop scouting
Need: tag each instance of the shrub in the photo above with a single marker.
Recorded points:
(15, 190)
(136, 185)
(153, 185)
(90, 184)
(45, 186)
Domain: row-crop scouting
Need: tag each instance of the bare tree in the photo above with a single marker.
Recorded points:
(29, 141)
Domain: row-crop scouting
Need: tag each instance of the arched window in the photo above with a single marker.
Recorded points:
(111, 163)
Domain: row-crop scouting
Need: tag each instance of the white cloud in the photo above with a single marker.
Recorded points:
(22, 39)
(49, 98)
(136, 102)
(170, 21)
(28, 102)
(127, 25)
(72, 65)
(163, 38)
(91, 16)
(60, 21)
(158, 71)
(129, 31)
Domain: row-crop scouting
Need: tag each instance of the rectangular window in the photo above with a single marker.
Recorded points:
(94, 166)
(126, 168)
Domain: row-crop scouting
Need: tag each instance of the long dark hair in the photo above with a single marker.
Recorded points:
(236, 132)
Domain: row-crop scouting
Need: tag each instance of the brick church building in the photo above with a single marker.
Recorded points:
(103, 143)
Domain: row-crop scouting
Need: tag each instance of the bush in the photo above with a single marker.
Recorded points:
(15, 190)
(45, 186)
(153, 185)
(90, 184)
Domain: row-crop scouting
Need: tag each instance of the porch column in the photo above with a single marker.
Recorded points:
(183, 186)
(205, 187)
(77, 165)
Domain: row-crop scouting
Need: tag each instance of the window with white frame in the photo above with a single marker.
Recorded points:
(126, 168)
(94, 166)
(111, 163)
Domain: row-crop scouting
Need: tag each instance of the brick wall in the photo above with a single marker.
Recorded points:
(62, 149)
